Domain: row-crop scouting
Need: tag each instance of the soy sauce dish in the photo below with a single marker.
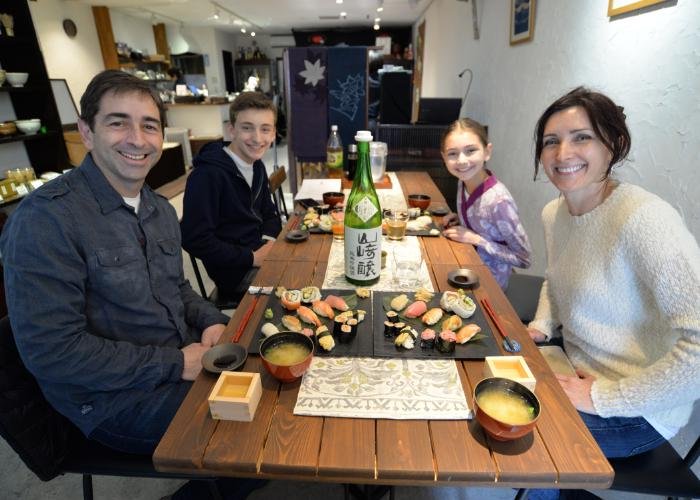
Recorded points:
(296, 236)
(463, 278)
(224, 357)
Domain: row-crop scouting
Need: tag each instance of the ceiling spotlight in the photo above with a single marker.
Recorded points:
(237, 22)
(377, 19)
(216, 14)
(252, 33)
(380, 5)
(343, 15)
(376, 27)
(242, 30)
(338, 1)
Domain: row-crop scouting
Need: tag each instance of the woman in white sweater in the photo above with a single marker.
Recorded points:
(622, 280)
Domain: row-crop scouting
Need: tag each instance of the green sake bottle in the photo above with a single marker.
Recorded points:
(363, 221)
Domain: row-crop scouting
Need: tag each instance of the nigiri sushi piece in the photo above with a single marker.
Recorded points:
(291, 299)
(310, 294)
(308, 332)
(467, 332)
(308, 316)
(322, 308)
(269, 329)
(405, 340)
(291, 323)
(427, 338)
(324, 338)
(416, 309)
(452, 323)
(445, 342)
(399, 302)
(432, 316)
(337, 303)
(360, 314)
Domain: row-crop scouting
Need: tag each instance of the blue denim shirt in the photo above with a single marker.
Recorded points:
(97, 296)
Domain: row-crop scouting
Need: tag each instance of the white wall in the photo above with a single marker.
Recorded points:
(75, 59)
(649, 63)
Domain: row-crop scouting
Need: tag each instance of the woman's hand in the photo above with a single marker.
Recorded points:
(536, 335)
(578, 389)
(463, 235)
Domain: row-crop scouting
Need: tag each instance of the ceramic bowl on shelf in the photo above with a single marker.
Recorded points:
(30, 126)
(287, 355)
(17, 79)
(506, 409)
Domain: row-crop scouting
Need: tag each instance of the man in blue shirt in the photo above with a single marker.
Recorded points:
(102, 314)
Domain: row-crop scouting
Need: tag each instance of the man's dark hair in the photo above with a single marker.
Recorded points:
(251, 100)
(116, 82)
(607, 120)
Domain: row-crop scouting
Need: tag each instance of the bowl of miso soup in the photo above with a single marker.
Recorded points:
(505, 408)
(287, 355)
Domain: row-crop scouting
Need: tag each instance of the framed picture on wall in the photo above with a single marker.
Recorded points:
(522, 20)
(616, 7)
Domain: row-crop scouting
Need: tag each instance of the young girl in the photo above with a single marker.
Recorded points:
(487, 216)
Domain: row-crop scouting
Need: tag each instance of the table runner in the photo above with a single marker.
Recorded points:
(398, 389)
(390, 197)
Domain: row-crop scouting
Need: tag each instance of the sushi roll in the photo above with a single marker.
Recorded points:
(389, 329)
(346, 334)
(427, 339)
(392, 316)
(360, 314)
(291, 299)
(445, 342)
(337, 323)
(352, 323)
(398, 327)
(345, 315)
(310, 294)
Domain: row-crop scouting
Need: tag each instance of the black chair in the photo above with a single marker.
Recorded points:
(222, 300)
(523, 292)
(48, 443)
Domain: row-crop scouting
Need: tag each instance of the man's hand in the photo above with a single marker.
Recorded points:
(579, 390)
(260, 254)
(211, 334)
(193, 360)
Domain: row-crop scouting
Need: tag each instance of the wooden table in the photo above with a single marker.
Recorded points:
(279, 445)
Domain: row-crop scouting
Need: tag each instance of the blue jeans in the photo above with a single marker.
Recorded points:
(617, 437)
(139, 429)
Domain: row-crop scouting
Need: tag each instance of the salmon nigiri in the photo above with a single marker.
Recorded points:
(337, 303)
(308, 316)
(322, 308)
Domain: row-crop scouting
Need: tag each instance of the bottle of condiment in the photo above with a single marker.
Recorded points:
(351, 163)
(334, 154)
(363, 221)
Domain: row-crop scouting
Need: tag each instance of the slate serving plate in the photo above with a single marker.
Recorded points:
(384, 347)
(361, 345)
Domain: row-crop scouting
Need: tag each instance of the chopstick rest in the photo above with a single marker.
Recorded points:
(256, 291)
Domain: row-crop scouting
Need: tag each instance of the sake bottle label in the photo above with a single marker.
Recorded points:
(363, 260)
(365, 209)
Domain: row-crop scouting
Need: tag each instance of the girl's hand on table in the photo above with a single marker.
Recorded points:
(578, 389)
(463, 235)
(450, 220)
(211, 334)
(536, 335)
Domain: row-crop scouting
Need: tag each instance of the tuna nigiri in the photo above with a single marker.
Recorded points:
(416, 309)
(337, 303)
(308, 316)
(322, 308)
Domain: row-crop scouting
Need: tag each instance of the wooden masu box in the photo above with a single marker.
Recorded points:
(511, 367)
(235, 396)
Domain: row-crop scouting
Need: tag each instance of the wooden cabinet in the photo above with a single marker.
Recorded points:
(21, 53)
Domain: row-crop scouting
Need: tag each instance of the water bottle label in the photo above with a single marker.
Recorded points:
(365, 209)
(363, 253)
(334, 159)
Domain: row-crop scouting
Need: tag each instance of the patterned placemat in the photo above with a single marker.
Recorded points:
(383, 388)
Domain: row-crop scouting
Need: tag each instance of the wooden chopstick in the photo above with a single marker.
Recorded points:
(246, 319)
(489, 310)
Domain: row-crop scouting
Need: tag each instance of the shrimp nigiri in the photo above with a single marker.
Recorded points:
(322, 308)
(308, 316)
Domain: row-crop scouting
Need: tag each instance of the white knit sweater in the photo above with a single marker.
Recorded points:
(623, 281)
